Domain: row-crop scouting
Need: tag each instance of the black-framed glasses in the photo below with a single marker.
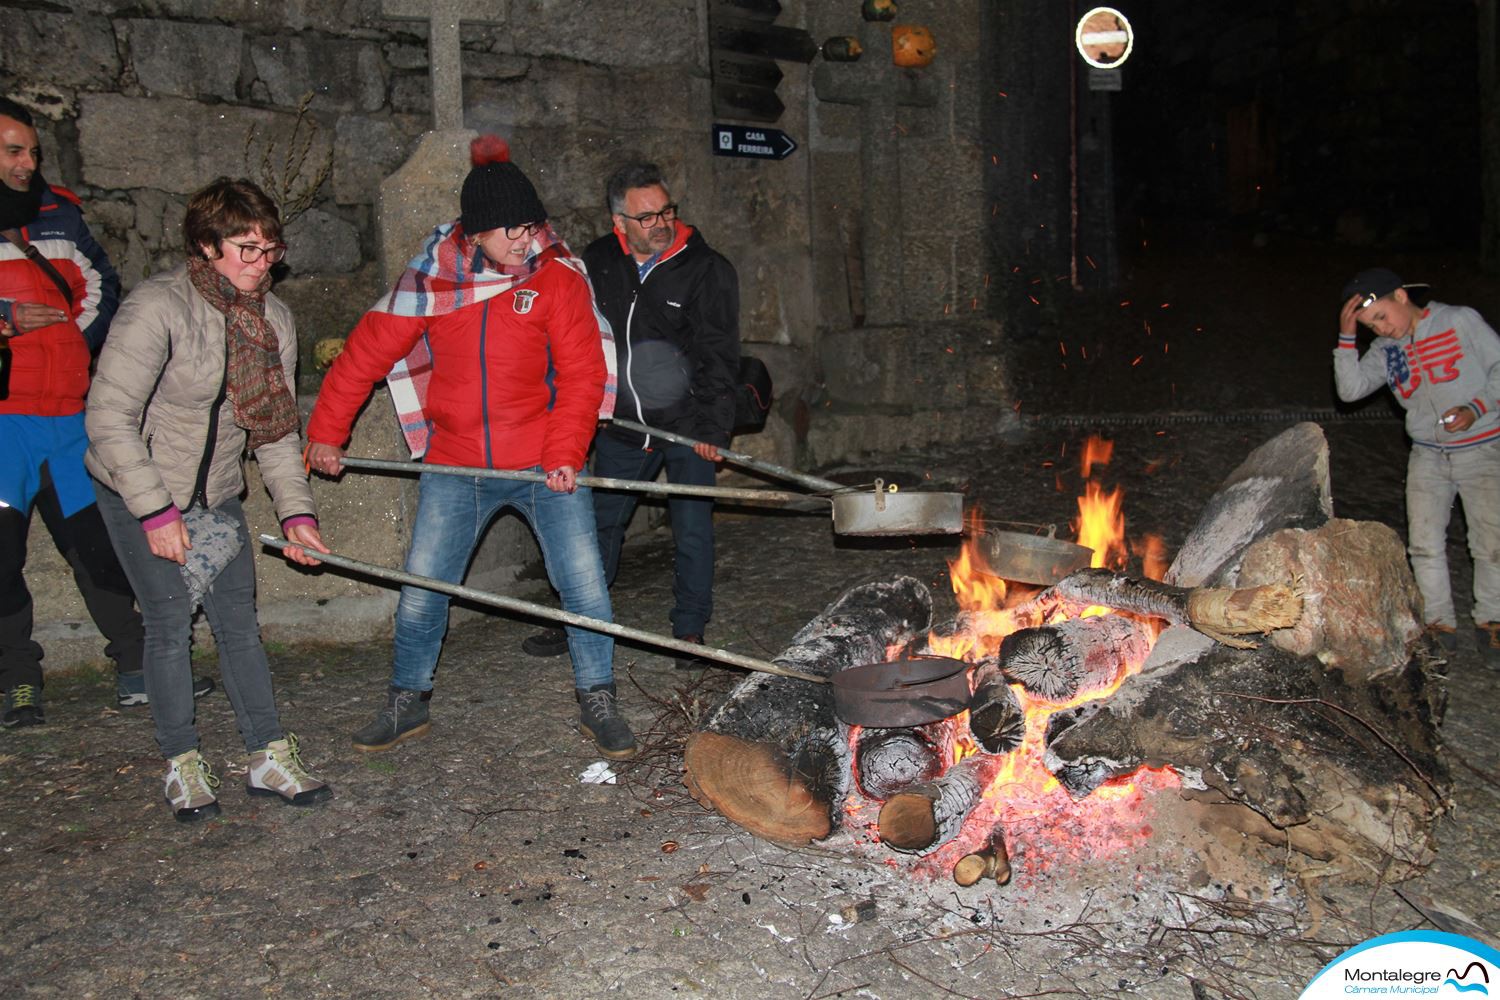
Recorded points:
(650, 220)
(529, 229)
(250, 253)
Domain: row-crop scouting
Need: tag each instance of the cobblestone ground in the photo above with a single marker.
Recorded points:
(475, 862)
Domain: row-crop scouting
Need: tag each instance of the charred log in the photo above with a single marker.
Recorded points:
(1075, 657)
(926, 816)
(888, 760)
(1354, 767)
(996, 719)
(990, 861)
(1221, 614)
(772, 758)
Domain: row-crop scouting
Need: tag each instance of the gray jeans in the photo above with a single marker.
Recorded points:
(1433, 480)
(168, 615)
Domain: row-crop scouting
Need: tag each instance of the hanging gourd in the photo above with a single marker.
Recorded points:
(912, 45)
(878, 10)
(842, 48)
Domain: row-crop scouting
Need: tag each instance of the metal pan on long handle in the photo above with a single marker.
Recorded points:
(739, 458)
(856, 510)
(862, 513)
(555, 614)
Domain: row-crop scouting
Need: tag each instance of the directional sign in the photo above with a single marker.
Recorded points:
(756, 39)
(755, 143)
(760, 10)
(756, 104)
(746, 71)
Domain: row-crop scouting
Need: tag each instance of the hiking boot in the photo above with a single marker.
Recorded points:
(190, 787)
(403, 718)
(1446, 636)
(600, 721)
(23, 707)
(548, 642)
(130, 689)
(1487, 638)
(278, 770)
(685, 662)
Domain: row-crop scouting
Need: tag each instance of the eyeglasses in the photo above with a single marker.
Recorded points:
(650, 220)
(529, 229)
(250, 253)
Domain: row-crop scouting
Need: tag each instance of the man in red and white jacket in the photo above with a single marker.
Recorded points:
(53, 318)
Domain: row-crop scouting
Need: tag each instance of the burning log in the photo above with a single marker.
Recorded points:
(996, 718)
(927, 815)
(1075, 657)
(773, 758)
(889, 760)
(991, 861)
(1219, 613)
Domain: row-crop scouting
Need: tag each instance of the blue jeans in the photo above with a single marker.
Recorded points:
(692, 521)
(168, 613)
(452, 514)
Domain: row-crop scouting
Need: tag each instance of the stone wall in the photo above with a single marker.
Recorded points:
(138, 106)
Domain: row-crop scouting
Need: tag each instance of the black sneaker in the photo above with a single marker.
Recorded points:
(1446, 637)
(130, 689)
(691, 662)
(23, 707)
(600, 721)
(1487, 640)
(403, 718)
(548, 642)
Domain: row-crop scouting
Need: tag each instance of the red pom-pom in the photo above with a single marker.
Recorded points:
(488, 149)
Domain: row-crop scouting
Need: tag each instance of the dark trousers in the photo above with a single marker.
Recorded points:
(84, 543)
(692, 522)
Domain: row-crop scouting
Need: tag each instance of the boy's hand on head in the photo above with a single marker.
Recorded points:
(1347, 321)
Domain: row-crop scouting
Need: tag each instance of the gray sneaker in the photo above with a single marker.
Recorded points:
(403, 718)
(190, 785)
(600, 721)
(278, 770)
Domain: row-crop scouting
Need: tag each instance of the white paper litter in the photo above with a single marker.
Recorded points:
(597, 773)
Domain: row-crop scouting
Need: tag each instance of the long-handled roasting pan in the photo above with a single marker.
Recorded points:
(878, 512)
(903, 692)
(883, 511)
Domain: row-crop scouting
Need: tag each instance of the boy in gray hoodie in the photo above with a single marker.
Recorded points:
(1442, 362)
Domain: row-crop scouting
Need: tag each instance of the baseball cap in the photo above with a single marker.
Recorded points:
(1374, 283)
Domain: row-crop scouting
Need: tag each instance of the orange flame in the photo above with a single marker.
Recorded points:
(1038, 814)
(1096, 451)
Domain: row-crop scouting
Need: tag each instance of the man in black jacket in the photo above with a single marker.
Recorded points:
(674, 304)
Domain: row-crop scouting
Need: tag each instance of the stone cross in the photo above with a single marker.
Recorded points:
(443, 50)
(877, 86)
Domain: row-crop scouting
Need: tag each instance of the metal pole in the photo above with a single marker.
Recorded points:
(543, 611)
(738, 458)
(593, 482)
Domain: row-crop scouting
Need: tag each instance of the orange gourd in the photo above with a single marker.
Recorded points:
(912, 45)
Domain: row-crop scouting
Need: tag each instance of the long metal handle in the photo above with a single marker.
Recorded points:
(556, 614)
(739, 458)
(593, 482)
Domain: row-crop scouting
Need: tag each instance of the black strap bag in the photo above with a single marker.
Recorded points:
(752, 395)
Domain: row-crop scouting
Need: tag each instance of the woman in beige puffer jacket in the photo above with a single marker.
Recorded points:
(198, 369)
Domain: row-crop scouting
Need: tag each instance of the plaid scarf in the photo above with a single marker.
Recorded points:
(447, 276)
(256, 384)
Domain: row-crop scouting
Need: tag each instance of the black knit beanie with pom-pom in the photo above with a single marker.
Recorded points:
(496, 194)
